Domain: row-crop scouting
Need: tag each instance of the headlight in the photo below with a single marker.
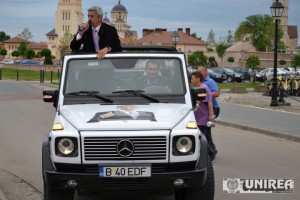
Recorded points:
(65, 146)
(183, 145)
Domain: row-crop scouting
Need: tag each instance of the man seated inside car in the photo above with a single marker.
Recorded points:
(152, 76)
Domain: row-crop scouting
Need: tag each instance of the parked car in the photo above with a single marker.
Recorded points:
(8, 61)
(216, 76)
(290, 70)
(261, 77)
(30, 62)
(248, 73)
(18, 61)
(270, 71)
(231, 75)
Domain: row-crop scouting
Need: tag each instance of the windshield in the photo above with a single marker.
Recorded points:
(229, 70)
(211, 71)
(152, 76)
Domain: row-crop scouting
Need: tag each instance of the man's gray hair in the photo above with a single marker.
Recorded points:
(98, 10)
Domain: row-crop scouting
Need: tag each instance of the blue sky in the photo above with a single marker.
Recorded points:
(199, 15)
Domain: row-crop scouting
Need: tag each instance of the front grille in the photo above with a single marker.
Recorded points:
(145, 148)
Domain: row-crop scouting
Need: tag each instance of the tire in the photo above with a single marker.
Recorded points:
(206, 192)
(229, 79)
(50, 194)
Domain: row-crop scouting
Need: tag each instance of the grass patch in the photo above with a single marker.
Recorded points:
(247, 85)
(27, 75)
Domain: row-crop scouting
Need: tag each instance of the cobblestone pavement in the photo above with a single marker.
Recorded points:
(259, 100)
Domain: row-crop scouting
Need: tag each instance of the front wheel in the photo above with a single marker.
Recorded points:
(229, 79)
(50, 194)
(206, 192)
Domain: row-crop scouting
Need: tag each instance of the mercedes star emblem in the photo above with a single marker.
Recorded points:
(125, 148)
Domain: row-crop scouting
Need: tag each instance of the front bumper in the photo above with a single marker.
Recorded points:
(239, 79)
(162, 182)
(218, 79)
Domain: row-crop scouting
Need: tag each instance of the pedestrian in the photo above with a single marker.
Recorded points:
(212, 85)
(204, 112)
(96, 36)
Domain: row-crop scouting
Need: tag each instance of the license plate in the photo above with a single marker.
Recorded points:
(137, 171)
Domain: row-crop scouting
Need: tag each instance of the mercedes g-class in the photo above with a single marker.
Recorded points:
(121, 125)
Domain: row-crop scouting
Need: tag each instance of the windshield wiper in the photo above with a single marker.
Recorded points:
(138, 92)
(91, 94)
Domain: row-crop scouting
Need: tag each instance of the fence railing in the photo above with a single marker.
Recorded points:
(22, 74)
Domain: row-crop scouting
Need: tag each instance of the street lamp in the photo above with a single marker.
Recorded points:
(292, 54)
(175, 37)
(242, 57)
(276, 10)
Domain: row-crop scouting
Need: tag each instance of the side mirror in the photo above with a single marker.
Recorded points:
(50, 96)
(198, 94)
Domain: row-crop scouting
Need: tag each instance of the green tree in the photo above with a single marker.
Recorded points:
(282, 62)
(197, 58)
(26, 35)
(48, 57)
(212, 62)
(22, 48)
(230, 60)
(211, 38)
(3, 36)
(252, 62)
(65, 43)
(221, 49)
(260, 28)
(29, 54)
(3, 52)
(296, 61)
(15, 53)
(195, 36)
(230, 40)
(209, 49)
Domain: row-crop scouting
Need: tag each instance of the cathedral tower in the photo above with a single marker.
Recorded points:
(67, 18)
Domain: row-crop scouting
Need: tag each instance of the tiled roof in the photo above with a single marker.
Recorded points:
(14, 40)
(293, 31)
(52, 33)
(241, 45)
(32, 45)
(41, 45)
(163, 37)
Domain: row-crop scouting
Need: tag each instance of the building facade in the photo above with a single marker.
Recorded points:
(290, 32)
(160, 36)
(13, 44)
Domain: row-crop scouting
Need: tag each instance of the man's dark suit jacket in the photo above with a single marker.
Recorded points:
(108, 38)
(118, 115)
(142, 82)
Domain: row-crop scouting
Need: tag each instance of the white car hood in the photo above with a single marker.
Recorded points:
(111, 117)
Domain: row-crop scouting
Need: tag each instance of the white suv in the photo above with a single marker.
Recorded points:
(112, 133)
